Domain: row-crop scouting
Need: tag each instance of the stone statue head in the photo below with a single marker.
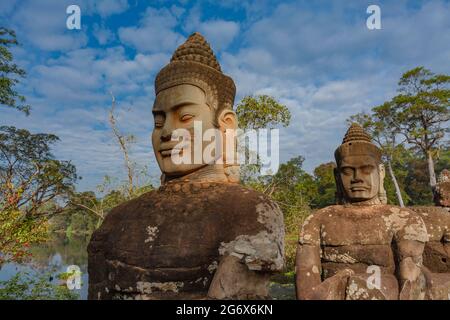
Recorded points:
(191, 88)
(442, 192)
(359, 173)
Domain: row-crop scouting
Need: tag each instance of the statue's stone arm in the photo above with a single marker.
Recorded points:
(410, 270)
(248, 261)
(246, 265)
(309, 285)
(234, 280)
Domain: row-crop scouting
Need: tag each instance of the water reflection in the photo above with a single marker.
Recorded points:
(54, 257)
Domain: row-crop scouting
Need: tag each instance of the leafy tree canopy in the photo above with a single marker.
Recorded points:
(10, 73)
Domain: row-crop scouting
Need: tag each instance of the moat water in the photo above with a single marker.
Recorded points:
(55, 256)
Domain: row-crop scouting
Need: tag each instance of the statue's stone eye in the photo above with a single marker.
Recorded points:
(186, 117)
(367, 169)
(347, 171)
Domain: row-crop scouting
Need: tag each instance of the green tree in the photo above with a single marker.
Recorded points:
(292, 189)
(325, 186)
(399, 165)
(32, 185)
(420, 112)
(416, 180)
(10, 73)
(259, 112)
(25, 286)
(262, 111)
(92, 209)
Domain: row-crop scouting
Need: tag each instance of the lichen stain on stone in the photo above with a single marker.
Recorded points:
(356, 293)
(261, 251)
(397, 220)
(417, 232)
(335, 256)
(152, 233)
(307, 220)
(149, 287)
(212, 267)
(271, 217)
(306, 237)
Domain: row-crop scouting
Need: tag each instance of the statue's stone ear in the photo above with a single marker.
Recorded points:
(227, 119)
(381, 191)
(339, 191)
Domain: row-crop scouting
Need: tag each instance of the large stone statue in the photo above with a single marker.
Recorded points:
(436, 257)
(200, 235)
(361, 248)
(442, 193)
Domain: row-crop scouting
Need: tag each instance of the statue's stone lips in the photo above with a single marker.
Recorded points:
(359, 188)
(167, 151)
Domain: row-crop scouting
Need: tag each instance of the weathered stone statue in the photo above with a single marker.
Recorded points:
(442, 193)
(436, 256)
(361, 248)
(200, 235)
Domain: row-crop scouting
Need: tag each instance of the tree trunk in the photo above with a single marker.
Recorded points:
(397, 188)
(431, 171)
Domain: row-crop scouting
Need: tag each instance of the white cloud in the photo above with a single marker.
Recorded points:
(220, 33)
(320, 60)
(154, 32)
(43, 24)
(107, 8)
(103, 35)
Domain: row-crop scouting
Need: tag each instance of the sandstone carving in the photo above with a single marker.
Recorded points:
(361, 248)
(436, 256)
(200, 235)
(442, 193)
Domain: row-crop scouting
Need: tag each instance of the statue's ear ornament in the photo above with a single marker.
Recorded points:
(340, 199)
(382, 192)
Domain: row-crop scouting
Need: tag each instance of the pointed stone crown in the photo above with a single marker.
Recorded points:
(356, 133)
(194, 63)
(357, 142)
(196, 49)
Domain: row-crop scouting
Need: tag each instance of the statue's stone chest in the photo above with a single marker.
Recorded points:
(166, 242)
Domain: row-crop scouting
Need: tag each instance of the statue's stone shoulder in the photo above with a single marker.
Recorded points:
(437, 221)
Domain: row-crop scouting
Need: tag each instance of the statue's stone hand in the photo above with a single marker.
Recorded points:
(234, 280)
(332, 288)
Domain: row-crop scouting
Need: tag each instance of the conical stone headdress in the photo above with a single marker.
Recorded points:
(357, 142)
(194, 63)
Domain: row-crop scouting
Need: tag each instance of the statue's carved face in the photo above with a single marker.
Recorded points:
(360, 177)
(175, 108)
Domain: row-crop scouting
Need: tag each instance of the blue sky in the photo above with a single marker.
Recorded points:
(317, 57)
